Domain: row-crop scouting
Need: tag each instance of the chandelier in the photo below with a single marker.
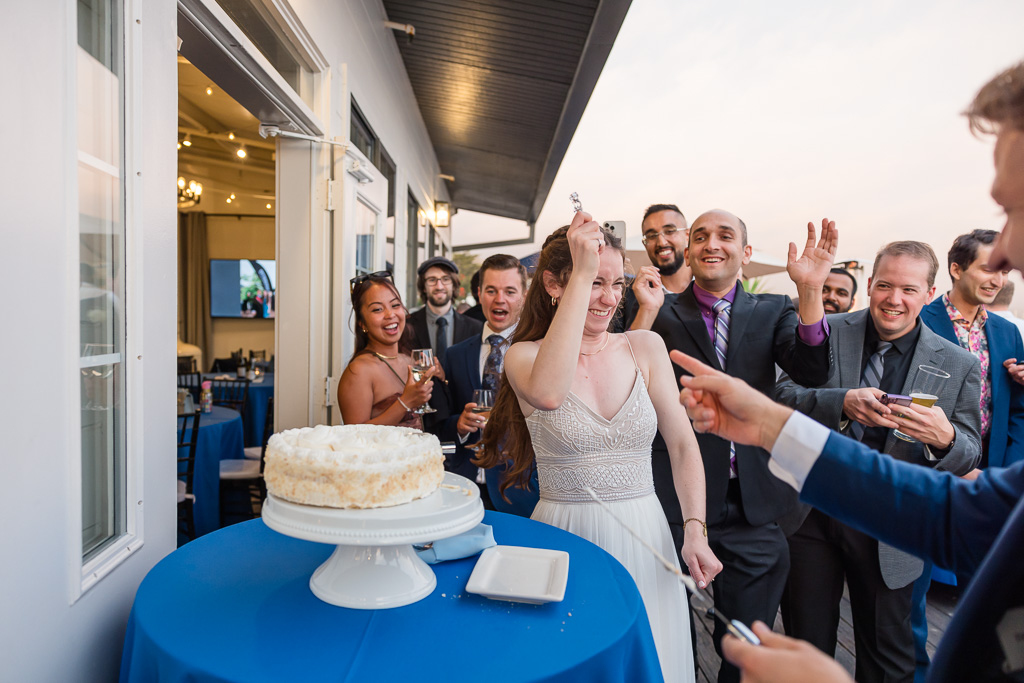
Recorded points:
(190, 193)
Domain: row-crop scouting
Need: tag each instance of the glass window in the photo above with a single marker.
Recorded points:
(413, 255)
(100, 110)
(366, 228)
(259, 26)
(362, 135)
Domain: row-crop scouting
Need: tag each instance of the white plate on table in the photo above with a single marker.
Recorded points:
(511, 572)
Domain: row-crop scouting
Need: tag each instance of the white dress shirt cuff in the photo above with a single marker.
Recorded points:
(797, 449)
(463, 439)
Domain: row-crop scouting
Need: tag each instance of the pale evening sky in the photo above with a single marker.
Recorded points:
(785, 112)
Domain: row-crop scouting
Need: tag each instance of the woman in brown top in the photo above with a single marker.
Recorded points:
(378, 387)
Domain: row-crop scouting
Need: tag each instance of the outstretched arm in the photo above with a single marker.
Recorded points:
(809, 271)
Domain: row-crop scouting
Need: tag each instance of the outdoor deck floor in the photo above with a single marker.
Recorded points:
(942, 600)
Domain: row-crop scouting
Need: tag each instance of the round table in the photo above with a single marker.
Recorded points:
(255, 406)
(235, 605)
(220, 438)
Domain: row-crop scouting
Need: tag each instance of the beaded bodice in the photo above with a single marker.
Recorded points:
(576, 447)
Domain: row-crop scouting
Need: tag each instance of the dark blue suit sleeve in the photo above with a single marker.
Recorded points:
(932, 514)
(1015, 430)
(447, 428)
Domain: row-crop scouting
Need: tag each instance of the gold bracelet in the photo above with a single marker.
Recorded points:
(694, 519)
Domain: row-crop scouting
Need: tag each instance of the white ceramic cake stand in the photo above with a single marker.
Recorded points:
(375, 565)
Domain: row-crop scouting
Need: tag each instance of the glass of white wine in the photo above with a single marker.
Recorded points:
(422, 361)
(925, 392)
(484, 400)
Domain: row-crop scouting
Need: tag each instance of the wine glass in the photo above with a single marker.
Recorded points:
(422, 361)
(925, 391)
(484, 400)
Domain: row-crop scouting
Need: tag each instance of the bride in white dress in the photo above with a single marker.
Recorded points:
(584, 411)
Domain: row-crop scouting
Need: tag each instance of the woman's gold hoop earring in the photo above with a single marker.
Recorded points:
(554, 301)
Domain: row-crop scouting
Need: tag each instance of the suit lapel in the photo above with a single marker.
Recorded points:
(685, 308)
(851, 348)
(743, 308)
(472, 362)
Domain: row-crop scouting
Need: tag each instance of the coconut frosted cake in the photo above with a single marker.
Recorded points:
(353, 466)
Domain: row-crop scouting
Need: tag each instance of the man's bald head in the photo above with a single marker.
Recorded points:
(720, 217)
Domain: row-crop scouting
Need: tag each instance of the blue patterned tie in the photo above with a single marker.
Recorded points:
(871, 377)
(494, 364)
(722, 308)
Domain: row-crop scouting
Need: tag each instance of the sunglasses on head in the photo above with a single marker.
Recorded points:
(360, 279)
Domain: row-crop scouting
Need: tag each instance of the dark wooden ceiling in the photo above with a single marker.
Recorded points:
(502, 85)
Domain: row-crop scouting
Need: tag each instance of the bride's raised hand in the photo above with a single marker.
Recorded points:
(585, 244)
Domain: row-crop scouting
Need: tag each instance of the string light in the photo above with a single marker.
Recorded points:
(241, 152)
(187, 141)
(231, 136)
(209, 90)
(268, 206)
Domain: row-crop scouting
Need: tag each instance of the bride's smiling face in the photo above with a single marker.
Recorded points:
(606, 292)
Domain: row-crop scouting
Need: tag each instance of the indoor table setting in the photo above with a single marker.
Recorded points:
(220, 438)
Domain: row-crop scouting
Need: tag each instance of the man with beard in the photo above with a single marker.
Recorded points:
(839, 291)
(437, 325)
(665, 234)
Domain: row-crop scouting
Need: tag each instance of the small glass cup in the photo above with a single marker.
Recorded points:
(422, 361)
(925, 391)
(484, 400)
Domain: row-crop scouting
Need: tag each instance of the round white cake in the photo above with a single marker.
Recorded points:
(353, 466)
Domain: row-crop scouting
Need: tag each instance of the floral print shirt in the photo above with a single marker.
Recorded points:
(972, 337)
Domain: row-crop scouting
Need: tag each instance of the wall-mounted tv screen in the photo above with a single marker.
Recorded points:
(243, 288)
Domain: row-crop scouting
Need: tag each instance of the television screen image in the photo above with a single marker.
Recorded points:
(242, 288)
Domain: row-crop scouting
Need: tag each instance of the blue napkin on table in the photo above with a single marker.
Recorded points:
(466, 544)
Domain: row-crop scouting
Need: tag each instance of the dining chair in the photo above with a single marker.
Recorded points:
(188, 437)
(228, 365)
(260, 355)
(231, 393)
(192, 381)
(186, 364)
(242, 488)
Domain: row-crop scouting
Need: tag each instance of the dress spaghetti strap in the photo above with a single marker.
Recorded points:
(635, 364)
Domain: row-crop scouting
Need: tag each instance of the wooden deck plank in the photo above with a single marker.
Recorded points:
(942, 601)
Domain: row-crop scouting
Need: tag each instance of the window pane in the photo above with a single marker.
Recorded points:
(366, 228)
(103, 483)
(101, 271)
(253, 19)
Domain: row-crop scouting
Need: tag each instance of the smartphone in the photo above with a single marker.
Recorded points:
(618, 229)
(897, 399)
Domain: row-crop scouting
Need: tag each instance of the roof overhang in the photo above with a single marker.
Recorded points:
(501, 88)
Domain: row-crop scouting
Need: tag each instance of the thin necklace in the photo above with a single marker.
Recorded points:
(382, 356)
(607, 337)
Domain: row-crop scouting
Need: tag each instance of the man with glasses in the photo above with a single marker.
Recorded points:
(437, 325)
(665, 233)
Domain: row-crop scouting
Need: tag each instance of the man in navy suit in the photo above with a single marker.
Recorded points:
(477, 363)
(973, 527)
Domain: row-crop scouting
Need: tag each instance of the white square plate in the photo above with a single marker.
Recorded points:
(511, 572)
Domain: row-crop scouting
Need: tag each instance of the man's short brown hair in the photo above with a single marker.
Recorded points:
(999, 102)
(502, 262)
(913, 249)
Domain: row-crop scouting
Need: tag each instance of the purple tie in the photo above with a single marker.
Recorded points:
(722, 308)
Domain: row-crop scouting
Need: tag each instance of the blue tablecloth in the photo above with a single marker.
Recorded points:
(236, 606)
(255, 408)
(220, 438)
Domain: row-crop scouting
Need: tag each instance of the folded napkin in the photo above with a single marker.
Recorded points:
(465, 544)
(220, 377)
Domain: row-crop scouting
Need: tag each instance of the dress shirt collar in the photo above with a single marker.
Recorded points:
(488, 331)
(903, 345)
(706, 300)
(432, 317)
(957, 318)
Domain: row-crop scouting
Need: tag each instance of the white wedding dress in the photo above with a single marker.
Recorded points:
(575, 447)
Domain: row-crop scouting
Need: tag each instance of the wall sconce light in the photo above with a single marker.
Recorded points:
(443, 213)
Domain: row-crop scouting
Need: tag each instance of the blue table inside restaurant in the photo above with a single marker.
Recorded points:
(255, 408)
(236, 606)
(220, 438)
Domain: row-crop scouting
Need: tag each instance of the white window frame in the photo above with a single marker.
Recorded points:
(84, 575)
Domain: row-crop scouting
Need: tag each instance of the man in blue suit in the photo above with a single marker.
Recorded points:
(973, 527)
(476, 363)
(960, 317)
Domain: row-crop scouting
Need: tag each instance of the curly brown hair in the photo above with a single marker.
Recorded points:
(506, 435)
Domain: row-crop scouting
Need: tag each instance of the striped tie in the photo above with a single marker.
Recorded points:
(871, 377)
(722, 308)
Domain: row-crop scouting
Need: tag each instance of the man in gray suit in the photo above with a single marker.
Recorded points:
(878, 351)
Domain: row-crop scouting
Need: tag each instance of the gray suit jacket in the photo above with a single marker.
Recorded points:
(959, 398)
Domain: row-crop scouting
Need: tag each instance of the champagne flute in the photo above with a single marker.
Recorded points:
(422, 361)
(484, 400)
(925, 391)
